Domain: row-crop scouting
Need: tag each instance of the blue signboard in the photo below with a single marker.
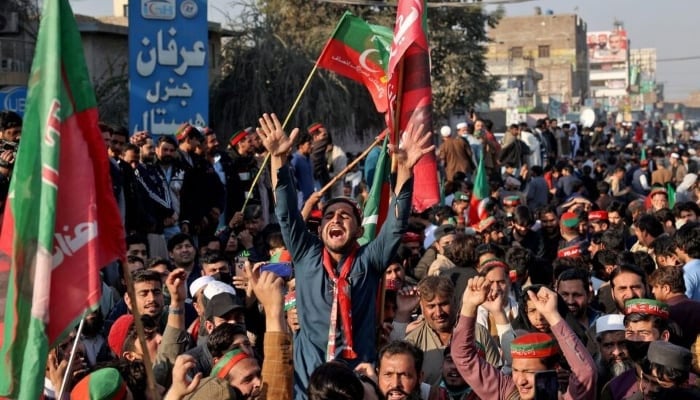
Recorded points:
(168, 65)
(13, 98)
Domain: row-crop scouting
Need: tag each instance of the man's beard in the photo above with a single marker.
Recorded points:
(149, 160)
(613, 368)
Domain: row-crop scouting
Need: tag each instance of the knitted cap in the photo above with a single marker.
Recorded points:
(647, 306)
(103, 384)
(486, 223)
(462, 125)
(608, 323)
(118, 332)
(445, 131)
(228, 361)
(534, 345)
(511, 201)
(569, 219)
(199, 283)
(598, 216)
(314, 127)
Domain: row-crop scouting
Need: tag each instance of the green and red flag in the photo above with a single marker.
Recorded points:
(360, 51)
(481, 191)
(377, 205)
(61, 223)
(410, 94)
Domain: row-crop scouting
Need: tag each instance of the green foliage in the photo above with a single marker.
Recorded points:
(276, 43)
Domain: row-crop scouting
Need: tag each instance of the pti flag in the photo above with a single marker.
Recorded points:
(61, 222)
(410, 96)
(360, 51)
(377, 204)
(481, 191)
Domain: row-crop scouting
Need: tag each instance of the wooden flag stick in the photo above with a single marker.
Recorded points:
(291, 112)
(352, 165)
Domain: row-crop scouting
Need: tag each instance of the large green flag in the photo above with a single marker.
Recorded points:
(61, 223)
(360, 51)
(378, 201)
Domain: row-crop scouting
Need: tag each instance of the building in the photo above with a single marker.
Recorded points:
(643, 87)
(541, 57)
(105, 44)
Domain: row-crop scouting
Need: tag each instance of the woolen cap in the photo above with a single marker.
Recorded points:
(609, 323)
(670, 355)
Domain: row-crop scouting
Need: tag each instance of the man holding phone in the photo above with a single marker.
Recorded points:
(531, 353)
(337, 280)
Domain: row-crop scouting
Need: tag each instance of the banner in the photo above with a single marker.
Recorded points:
(607, 46)
(168, 65)
(61, 223)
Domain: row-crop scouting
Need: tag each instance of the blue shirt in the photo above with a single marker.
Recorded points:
(691, 276)
(314, 288)
(304, 174)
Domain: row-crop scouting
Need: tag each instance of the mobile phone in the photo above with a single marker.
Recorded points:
(546, 385)
(283, 270)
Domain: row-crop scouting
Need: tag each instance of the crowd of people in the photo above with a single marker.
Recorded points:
(577, 277)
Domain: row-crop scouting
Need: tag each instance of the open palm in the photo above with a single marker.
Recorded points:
(413, 145)
(273, 137)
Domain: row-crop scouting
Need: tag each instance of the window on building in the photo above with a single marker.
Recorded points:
(543, 51)
(516, 52)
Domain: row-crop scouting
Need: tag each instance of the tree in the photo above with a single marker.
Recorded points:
(276, 43)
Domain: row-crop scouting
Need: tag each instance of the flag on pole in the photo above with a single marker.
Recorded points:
(377, 204)
(410, 95)
(360, 51)
(61, 223)
(481, 191)
(671, 190)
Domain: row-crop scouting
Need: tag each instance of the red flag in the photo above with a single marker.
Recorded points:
(61, 220)
(410, 96)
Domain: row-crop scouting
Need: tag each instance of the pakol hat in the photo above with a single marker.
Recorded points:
(609, 323)
(534, 345)
(570, 220)
(511, 201)
(461, 196)
(103, 384)
(670, 355)
(228, 361)
(410, 237)
(486, 223)
(118, 332)
(187, 130)
(648, 307)
(314, 127)
(598, 216)
(240, 135)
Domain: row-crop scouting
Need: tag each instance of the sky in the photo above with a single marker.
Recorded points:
(664, 26)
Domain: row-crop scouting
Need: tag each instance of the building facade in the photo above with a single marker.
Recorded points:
(542, 57)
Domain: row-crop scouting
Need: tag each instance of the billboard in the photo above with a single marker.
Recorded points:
(168, 65)
(607, 46)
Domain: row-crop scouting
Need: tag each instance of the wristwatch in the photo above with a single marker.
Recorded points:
(176, 311)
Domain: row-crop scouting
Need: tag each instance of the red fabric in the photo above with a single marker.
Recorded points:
(342, 299)
(410, 94)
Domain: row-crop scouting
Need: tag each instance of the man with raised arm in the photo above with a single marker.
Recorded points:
(531, 353)
(337, 280)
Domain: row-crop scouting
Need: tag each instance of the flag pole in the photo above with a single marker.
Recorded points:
(69, 368)
(352, 165)
(397, 116)
(291, 112)
(141, 335)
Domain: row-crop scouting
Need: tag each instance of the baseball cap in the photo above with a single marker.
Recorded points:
(222, 304)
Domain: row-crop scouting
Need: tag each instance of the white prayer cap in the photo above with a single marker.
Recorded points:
(461, 125)
(675, 155)
(610, 322)
(199, 283)
(445, 131)
(215, 287)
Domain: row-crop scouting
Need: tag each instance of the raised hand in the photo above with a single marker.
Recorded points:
(176, 282)
(182, 385)
(545, 302)
(413, 145)
(475, 294)
(273, 137)
(407, 300)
